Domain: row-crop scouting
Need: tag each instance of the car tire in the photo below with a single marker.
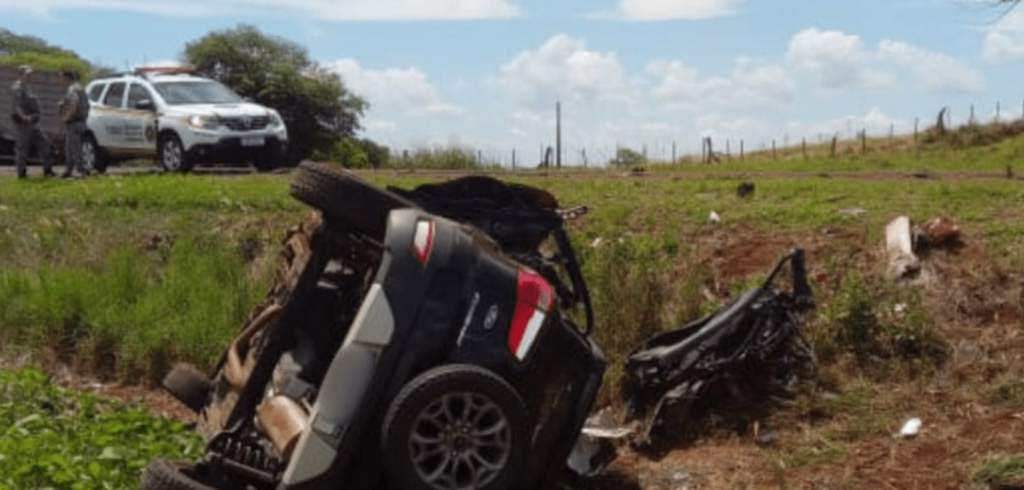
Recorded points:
(189, 385)
(167, 475)
(453, 427)
(171, 154)
(269, 159)
(92, 155)
(344, 197)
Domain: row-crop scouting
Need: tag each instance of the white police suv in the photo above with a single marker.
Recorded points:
(179, 118)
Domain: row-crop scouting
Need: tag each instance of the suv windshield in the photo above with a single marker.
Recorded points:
(205, 92)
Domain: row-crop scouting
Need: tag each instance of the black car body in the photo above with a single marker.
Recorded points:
(404, 349)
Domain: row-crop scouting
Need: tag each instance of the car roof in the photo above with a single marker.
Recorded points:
(154, 77)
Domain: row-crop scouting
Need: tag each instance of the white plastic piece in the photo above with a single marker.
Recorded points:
(911, 428)
(714, 218)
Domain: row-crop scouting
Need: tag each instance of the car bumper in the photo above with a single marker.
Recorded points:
(234, 149)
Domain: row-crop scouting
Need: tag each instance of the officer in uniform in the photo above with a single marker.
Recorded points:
(74, 109)
(25, 112)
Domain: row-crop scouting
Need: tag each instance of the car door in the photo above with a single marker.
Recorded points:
(110, 130)
(139, 117)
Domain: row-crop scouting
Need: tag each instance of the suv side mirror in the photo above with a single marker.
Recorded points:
(145, 105)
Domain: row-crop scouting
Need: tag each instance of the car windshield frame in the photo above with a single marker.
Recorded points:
(181, 92)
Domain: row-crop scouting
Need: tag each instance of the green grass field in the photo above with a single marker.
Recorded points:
(123, 275)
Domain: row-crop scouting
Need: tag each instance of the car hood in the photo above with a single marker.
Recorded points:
(219, 110)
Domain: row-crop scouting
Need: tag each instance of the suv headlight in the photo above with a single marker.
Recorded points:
(204, 122)
(275, 120)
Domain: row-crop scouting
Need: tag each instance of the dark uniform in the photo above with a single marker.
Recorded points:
(74, 108)
(26, 118)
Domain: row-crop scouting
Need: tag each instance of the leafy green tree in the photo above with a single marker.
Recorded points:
(16, 50)
(278, 73)
(627, 158)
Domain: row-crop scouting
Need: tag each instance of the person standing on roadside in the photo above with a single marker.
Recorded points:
(25, 112)
(74, 109)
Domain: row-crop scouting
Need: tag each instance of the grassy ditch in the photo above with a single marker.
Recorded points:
(53, 438)
(126, 274)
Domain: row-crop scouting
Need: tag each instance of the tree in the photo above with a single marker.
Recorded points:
(18, 50)
(278, 73)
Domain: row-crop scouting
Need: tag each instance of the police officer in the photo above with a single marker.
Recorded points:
(74, 108)
(25, 112)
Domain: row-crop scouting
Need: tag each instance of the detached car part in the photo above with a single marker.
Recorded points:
(414, 340)
(730, 367)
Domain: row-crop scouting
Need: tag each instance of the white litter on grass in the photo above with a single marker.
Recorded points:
(714, 218)
(911, 428)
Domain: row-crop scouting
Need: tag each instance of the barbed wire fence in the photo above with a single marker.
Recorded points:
(714, 148)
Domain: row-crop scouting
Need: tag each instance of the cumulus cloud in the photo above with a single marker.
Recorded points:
(837, 60)
(394, 90)
(563, 69)
(681, 87)
(936, 72)
(319, 9)
(1005, 39)
(655, 10)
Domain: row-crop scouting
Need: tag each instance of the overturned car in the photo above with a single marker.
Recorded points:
(414, 340)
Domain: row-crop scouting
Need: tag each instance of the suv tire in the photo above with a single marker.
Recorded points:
(453, 427)
(189, 385)
(172, 155)
(92, 155)
(344, 197)
(166, 475)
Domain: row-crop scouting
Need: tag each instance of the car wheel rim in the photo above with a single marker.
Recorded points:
(460, 441)
(172, 155)
(88, 157)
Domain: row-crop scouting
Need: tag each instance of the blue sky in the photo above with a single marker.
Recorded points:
(485, 74)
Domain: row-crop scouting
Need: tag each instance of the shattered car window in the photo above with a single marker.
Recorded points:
(207, 92)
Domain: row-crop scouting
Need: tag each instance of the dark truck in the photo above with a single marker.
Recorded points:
(47, 88)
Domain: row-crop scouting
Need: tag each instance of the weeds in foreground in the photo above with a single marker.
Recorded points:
(56, 439)
(134, 315)
(1001, 468)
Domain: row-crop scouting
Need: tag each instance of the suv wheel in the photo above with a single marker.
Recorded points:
(172, 154)
(166, 475)
(456, 427)
(92, 156)
(342, 196)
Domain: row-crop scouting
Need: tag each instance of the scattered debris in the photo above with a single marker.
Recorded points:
(903, 264)
(745, 190)
(729, 369)
(714, 218)
(852, 211)
(596, 243)
(595, 448)
(941, 231)
(911, 428)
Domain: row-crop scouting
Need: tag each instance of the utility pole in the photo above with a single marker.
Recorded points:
(558, 134)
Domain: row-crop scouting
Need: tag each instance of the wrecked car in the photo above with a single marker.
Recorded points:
(422, 339)
(729, 368)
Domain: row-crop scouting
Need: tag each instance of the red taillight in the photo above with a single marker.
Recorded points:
(423, 240)
(534, 297)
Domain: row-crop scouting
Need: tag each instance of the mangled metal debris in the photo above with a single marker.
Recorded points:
(729, 368)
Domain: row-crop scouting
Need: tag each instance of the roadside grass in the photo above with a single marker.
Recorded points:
(1001, 469)
(124, 275)
(993, 148)
(53, 438)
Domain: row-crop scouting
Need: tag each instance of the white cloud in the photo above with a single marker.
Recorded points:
(395, 90)
(1005, 39)
(319, 9)
(563, 69)
(656, 10)
(836, 59)
(936, 72)
(750, 85)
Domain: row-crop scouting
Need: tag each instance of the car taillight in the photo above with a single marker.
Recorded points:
(423, 240)
(534, 297)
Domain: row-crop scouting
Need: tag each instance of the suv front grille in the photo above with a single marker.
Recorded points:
(245, 123)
